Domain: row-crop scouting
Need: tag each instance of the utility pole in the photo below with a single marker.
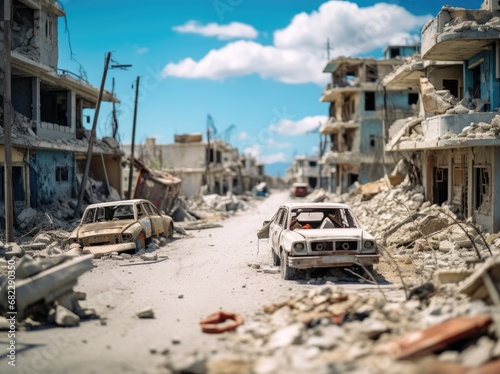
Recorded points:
(131, 171)
(7, 123)
(91, 140)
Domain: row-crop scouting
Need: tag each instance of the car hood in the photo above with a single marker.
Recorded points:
(110, 227)
(328, 234)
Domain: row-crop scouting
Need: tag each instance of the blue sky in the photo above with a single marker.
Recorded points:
(254, 65)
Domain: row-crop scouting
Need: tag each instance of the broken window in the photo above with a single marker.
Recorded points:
(394, 52)
(312, 164)
(452, 86)
(49, 28)
(483, 202)
(62, 174)
(412, 98)
(371, 73)
(369, 101)
(440, 188)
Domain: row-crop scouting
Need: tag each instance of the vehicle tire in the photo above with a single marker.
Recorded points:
(276, 258)
(171, 232)
(140, 242)
(286, 271)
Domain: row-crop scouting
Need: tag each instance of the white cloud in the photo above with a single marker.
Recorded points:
(243, 136)
(232, 30)
(247, 57)
(271, 143)
(256, 152)
(298, 52)
(142, 50)
(272, 159)
(351, 29)
(299, 127)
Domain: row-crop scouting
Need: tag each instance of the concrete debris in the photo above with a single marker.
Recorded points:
(146, 313)
(333, 331)
(44, 290)
(435, 101)
(481, 130)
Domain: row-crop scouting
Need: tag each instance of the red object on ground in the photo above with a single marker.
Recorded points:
(420, 343)
(215, 323)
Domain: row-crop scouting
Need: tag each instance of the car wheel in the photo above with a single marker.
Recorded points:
(140, 242)
(171, 231)
(286, 271)
(276, 258)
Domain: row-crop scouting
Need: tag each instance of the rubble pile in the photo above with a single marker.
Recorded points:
(469, 104)
(481, 130)
(327, 330)
(44, 290)
(459, 24)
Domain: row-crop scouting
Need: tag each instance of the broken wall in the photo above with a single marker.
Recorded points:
(479, 76)
(448, 78)
(46, 27)
(56, 176)
(184, 155)
(191, 182)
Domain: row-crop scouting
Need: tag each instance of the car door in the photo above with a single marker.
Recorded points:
(144, 220)
(277, 228)
(156, 219)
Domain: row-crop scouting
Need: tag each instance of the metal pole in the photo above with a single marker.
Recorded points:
(91, 140)
(7, 123)
(131, 171)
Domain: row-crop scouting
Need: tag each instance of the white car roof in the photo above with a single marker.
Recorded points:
(118, 202)
(317, 205)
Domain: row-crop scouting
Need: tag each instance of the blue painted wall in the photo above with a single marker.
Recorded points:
(490, 86)
(50, 190)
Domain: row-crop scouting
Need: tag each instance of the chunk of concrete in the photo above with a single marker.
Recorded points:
(146, 313)
(65, 317)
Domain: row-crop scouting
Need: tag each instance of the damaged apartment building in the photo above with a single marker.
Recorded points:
(360, 111)
(204, 167)
(454, 143)
(308, 169)
(49, 142)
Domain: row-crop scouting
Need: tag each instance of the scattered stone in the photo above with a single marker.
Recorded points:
(149, 256)
(146, 313)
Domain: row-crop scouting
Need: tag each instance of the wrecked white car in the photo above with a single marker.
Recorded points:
(318, 235)
(126, 225)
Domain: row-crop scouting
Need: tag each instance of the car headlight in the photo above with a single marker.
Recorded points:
(369, 244)
(127, 237)
(298, 246)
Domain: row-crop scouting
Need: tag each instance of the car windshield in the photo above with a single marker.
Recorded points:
(109, 213)
(322, 218)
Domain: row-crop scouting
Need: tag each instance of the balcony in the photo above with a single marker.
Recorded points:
(332, 126)
(449, 124)
(457, 34)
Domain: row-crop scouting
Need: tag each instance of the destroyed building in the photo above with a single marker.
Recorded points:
(214, 166)
(360, 112)
(454, 142)
(308, 169)
(49, 141)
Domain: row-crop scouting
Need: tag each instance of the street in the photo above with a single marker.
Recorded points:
(205, 272)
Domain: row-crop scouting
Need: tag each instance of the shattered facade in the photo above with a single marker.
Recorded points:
(454, 141)
(359, 115)
(48, 138)
(214, 166)
(307, 169)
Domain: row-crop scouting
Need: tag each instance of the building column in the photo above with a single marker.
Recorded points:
(35, 103)
(71, 111)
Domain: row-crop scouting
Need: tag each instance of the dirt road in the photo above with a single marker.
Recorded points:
(203, 273)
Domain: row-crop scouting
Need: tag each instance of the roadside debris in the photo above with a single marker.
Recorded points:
(216, 323)
(44, 290)
(146, 313)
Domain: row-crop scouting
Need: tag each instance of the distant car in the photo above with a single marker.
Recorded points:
(299, 190)
(318, 235)
(261, 190)
(125, 225)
